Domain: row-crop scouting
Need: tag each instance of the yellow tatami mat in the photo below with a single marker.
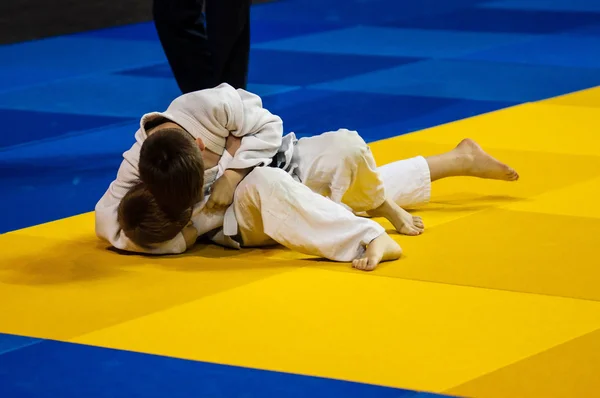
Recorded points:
(499, 298)
(568, 370)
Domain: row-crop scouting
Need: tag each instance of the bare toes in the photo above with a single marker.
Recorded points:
(360, 263)
(371, 265)
(412, 231)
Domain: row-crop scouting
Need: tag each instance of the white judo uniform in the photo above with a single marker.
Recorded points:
(211, 115)
(308, 203)
(339, 179)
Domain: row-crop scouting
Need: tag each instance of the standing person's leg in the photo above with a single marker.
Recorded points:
(228, 27)
(235, 71)
(204, 57)
(180, 27)
(270, 206)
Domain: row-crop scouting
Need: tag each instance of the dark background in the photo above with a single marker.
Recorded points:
(22, 20)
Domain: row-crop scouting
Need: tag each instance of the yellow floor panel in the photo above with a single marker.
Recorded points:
(56, 288)
(501, 249)
(588, 98)
(379, 330)
(580, 200)
(542, 127)
(78, 229)
(567, 371)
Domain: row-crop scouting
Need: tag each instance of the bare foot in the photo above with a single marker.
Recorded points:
(382, 248)
(480, 164)
(402, 220)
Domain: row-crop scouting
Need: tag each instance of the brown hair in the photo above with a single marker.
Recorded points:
(145, 222)
(172, 168)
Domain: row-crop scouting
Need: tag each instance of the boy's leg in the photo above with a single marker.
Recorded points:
(271, 207)
(468, 159)
(408, 181)
(340, 165)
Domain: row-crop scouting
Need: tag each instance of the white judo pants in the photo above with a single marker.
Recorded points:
(317, 217)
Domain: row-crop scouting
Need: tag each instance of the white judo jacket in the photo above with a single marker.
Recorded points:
(211, 115)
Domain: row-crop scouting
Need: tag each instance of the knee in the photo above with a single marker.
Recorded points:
(259, 181)
(350, 146)
(265, 176)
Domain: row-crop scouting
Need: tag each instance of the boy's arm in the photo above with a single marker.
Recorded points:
(190, 235)
(261, 133)
(106, 212)
(223, 189)
(224, 111)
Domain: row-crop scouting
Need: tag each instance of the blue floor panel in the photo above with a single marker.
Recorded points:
(114, 96)
(70, 150)
(66, 192)
(27, 126)
(396, 42)
(353, 12)
(558, 50)
(394, 114)
(55, 369)
(270, 66)
(473, 80)
(551, 5)
(589, 31)
(68, 57)
(266, 30)
(71, 173)
(503, 20)
(10, 342)
(414, 121)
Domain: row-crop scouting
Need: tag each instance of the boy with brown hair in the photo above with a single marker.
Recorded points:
(171, 162)
(270, 207)
(145, 222)
(191, 138)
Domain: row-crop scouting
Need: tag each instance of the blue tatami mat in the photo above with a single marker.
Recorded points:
(54, 369)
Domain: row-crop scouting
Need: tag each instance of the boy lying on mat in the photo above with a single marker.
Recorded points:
(215, 164)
